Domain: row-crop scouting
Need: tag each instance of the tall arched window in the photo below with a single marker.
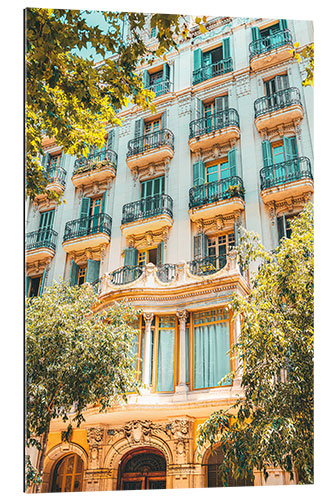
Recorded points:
(68, 474)
(142, 469)
(214, 477)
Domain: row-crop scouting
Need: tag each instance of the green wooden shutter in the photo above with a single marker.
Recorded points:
(255, 32)
(226, 48)
(73, 273)
(92, 270)
(139, 128)
(164, 121)
(290, 148)
(103, 203)
(221, 103)
(110, 140)
(283, 24)
(46, 220)
(146, 79)
(41, 288)
(160, 252)
(27, 284)
(197, 59)
(84, 213)
(166, 72)
(281, 226)
(197, 109)
(131, 256)
(267, 153)
(199, 246)
(232, 163)
(198, 173)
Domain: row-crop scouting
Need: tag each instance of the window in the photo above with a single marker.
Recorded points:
(152, 187)
(55, 161)
(34, 288)
(283, 226)
(45, 227)
(218, 171)
(68, 474)
(82, 271)
(279, 82)
(147, 256)
(214, 477)
(211, 63)
(219, 246)
(280, 151)
(211, 346)
(164, 350)
(151, 139)
(271, 30)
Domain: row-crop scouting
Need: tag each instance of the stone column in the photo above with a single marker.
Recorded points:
(148, 317)
(182, 387)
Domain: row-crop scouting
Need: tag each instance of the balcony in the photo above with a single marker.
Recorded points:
(207, 265)
(271, 50)
(92, 232)
(150, 148)
(40, 245)
(56, 183)
(212, 70)
(127, 274)
(217, 129)
(149, 214)
(216, 198)
(278, 109)
(288, 179)
(97, 167)
(160, 88)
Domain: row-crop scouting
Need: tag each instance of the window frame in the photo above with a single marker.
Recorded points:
(155, 331)
(218, 164)
(80, 268)
(40, 276)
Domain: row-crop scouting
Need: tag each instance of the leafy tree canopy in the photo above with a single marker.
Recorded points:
(69, 97)
(272, 423)
(74, 358)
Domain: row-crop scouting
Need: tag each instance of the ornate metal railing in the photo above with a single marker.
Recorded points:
(160, 88)
(100, 223)
(166, 272)
(96, 160)
(215, 69)
(217, 121)
(126, 274)
(288, 171)
(271, 42)
(216, 191)
(46, 238)
(143, 143)
(58, 175)
(147, 207)
(207, 265)
(279, 100)
(96, 285)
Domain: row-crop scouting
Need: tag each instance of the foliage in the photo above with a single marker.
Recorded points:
(32, 476)
(236, 190)
(308, 54)
(69, 97)
(74, 358)
(272, 423)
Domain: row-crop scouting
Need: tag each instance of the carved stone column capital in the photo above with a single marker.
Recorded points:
(182, 316)
(148, 317)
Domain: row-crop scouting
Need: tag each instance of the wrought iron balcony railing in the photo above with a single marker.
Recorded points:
(288, 171)
(126, 274)
(271, 42)
(166, 272)
(215, 69)
(216, 191)
(96, 160)
(160, 88)
(207, 265)
(279, 100)
(100, 223)
(43, 238)
(217, 121)
(147, 207)
(58, 175)
(146, 142)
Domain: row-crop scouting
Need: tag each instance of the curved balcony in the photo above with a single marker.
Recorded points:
(216, 198)
(212, 70)
(40, 245)
(97, 167)
(126, 274)
(166, 272)
(207, 265)
(88, 232)
(278, 109)
(150, 148)
(149, 214)
(290, 178)
(160, 88)
(219, 128)
(271, 50)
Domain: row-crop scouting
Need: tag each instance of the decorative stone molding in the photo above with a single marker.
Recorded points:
(217, 223)
(182, 316)
(81, 257)
(291, 205)
(148, 317)
(243, 85)
(37, 267)
(95, 434)
(184, 105)
(149, 238)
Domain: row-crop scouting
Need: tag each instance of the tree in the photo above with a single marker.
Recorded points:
(69, 97)
(307, 53)
(74, 357)
(272, 423)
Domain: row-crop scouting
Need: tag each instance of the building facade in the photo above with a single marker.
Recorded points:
(154, 217)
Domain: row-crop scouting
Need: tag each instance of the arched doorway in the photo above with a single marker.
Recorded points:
(142, 469)
(68, 474)
(214, 478)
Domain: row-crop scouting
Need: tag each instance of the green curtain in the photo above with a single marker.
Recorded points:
(211, 357)
(165, 363)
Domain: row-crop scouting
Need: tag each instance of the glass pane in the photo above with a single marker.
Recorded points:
(224, 170)
(79, 465)
(278, 154)
(212, 173)
(68, 483)
(165, 367)
(77, 483)
(70, 465)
